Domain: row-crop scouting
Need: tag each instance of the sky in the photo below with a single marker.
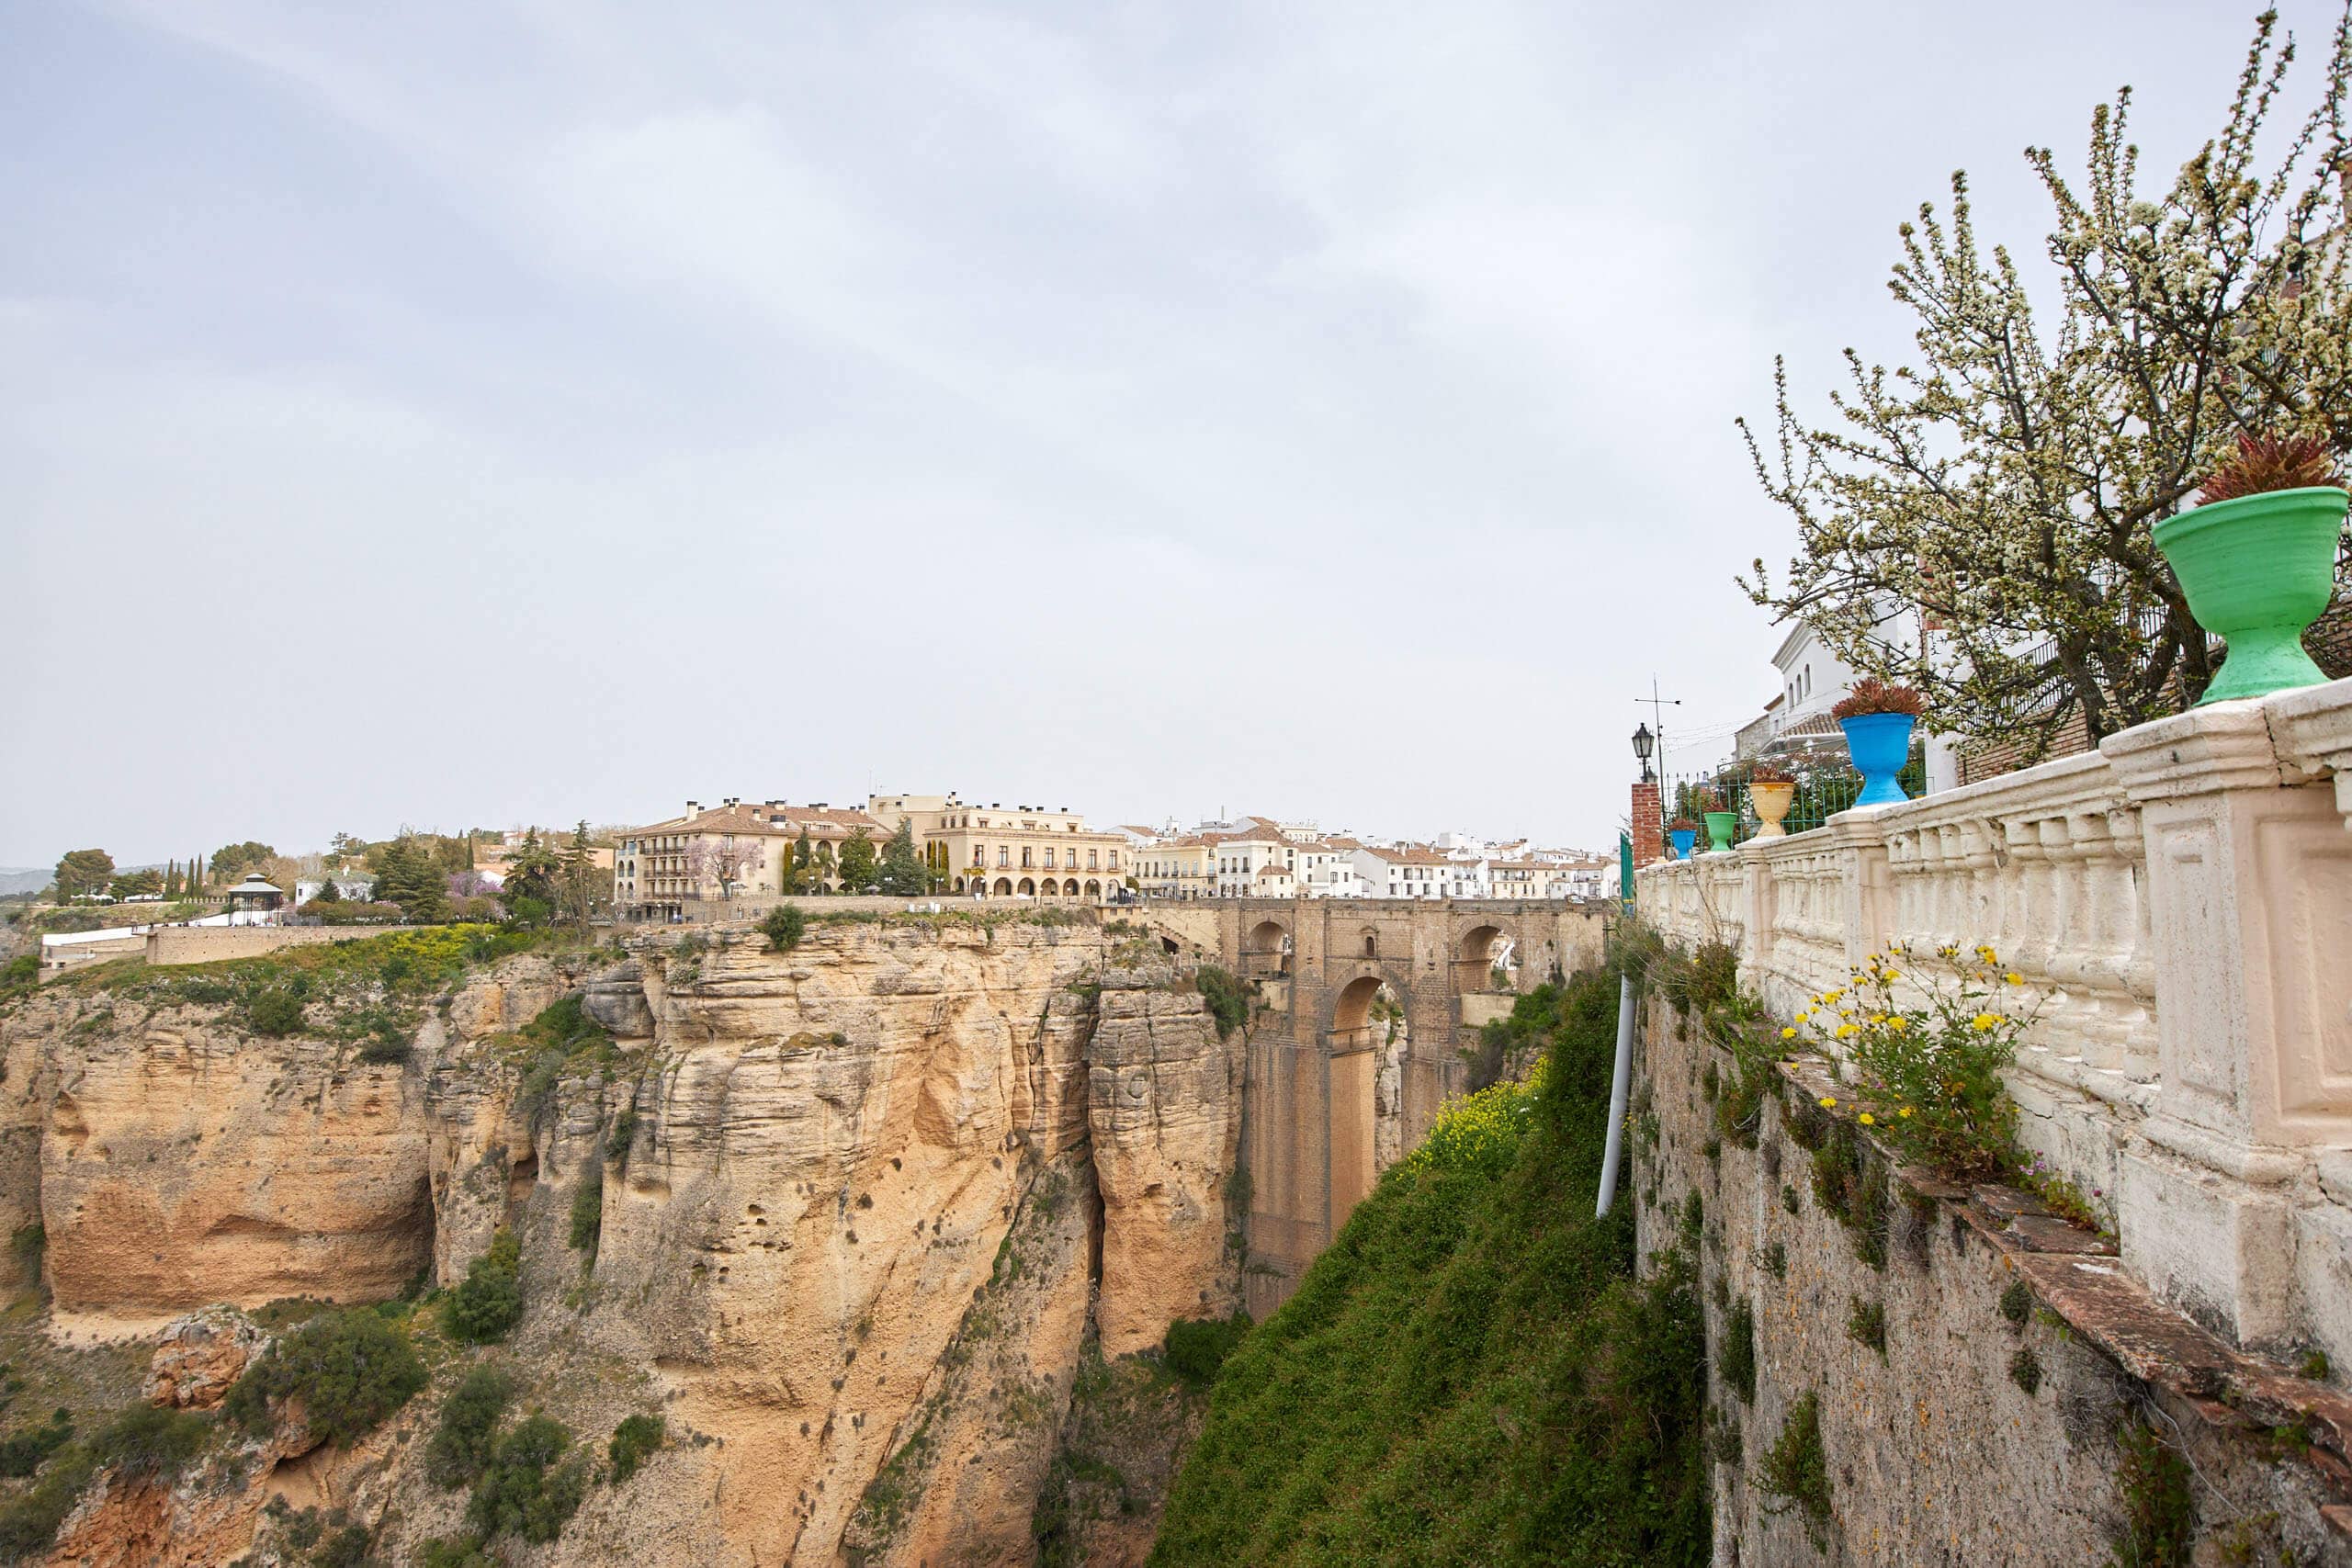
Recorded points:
(522, 411)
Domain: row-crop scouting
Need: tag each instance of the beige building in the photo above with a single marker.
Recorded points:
(1001, 852)
(1181, 867)
(726, 852)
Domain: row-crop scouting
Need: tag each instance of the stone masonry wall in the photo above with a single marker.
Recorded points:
(1936, 1450)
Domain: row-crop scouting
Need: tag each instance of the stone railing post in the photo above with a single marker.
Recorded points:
(2249, 877)
(1860, 838)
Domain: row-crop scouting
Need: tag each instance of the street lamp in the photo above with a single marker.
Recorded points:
(1644, 742)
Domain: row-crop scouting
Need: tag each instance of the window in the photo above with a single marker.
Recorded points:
(1090, 860)
(1049, 857)
(1002, 852)
(1024, 856)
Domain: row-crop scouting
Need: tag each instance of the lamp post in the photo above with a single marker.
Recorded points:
(1643, 743)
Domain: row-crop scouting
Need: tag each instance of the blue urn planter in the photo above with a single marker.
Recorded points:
(1880, 743)
(1683, 839)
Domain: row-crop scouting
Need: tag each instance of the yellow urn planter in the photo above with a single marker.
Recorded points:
(1772, 802)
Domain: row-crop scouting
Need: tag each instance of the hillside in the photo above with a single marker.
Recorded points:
(1471, 1373)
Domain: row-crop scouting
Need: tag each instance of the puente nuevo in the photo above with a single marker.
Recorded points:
(1334, 1094)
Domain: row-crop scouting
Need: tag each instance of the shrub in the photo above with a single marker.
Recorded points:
(488, 1301)
(1196, 1347)
(2159, 1511)
(385, 1048)
(1795, 1472)
(453, 1551)
(784, 927)
(349, 1368)
(1735, 1362)
(151, 1439)
(588, 1209)
(275, 1012)
(528, 1488)
(28, 1521)
(1866, 1323)
(1227, 998)
(634, 1441)
(23, 1452)
(461, 1443)
(2016, 1303)
(1480, 1131)
(2025, 1369)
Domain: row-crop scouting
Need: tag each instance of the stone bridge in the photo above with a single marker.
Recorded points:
(1367, 1018)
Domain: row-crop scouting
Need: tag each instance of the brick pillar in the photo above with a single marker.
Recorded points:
(1649, 832)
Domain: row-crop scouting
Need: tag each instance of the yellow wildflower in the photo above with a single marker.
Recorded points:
(1806, 1017)
(1906, 1111)
(1987, 954)
(1894, 974)
(1983, 1022)
(1845, 1029)
(1946, 952)
(1865, 1119)
(1829, 1102)
(2014, 979)
(1788, 1035)
(1898, 1025)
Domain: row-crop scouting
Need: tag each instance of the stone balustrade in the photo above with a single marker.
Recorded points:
(2181, 902)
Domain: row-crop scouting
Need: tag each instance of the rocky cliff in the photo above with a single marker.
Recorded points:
(866, 1223)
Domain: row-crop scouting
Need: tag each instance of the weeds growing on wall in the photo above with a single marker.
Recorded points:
(1795, 1472)
(2159, 1511)
(1735, 1359)
(1470, 1374)
(1931, 1037)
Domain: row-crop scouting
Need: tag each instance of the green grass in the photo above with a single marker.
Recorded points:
(1470, 1374)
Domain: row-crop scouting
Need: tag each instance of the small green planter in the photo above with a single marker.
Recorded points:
(1721, 824)
(2258, 569)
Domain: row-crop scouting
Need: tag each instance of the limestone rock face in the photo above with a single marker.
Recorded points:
(199, 1356)
(181, 1165)
(1164, 1105)
(851, 1218)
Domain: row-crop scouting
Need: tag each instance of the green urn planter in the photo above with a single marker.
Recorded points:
(2258, 569)
(1721, 826)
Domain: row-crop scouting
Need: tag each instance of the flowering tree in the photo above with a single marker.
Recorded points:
(1980, 523)
(726, 859)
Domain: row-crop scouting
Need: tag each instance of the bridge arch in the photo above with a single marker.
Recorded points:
(1476, 952)
(1266, 951)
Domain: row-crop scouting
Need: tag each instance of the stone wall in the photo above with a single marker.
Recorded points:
(210, 944)
(2018, 1361)
(2183, 899)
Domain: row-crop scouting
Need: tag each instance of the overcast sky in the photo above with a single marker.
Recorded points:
(477, 413)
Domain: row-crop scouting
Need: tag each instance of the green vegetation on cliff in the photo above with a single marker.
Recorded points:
(1471, 1373)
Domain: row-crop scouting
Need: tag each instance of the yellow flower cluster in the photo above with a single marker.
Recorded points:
(1479, 1130)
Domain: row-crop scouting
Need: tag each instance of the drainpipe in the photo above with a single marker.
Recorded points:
(1621, 1077)
(1618, 1083)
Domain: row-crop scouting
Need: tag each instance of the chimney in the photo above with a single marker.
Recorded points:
(1649, 832)
(693, 810)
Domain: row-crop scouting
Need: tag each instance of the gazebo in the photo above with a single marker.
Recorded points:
(256, 896)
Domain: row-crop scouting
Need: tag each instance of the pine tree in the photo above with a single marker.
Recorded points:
(902, 874)
(578, 877)
(858, 865)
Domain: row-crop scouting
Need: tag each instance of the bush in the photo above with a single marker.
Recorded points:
(1735, 1362)
(784, 927)
(1196, 1347)
(453, 1551)
(1227, 998)
(634, 1441)
(1795, 1473)
(276, 1012)
(149, 1440)
(23, 1452)
(461, 1443)
(588, 1209)
(385, 1049)
(28, 1521)
(490, 1300)
(349, 1368)
(528, 1488)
